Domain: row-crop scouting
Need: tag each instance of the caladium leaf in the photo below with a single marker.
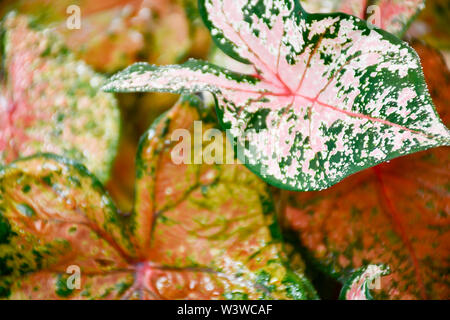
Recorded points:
(54, 215)
(396, 214)
(52, 103)
(331, 95)
(196, 232)
(362, 281)
(109, 36)
(128, 31)
(393, 16)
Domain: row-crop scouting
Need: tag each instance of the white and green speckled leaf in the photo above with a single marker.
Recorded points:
(50, 102)
(362, 281)
(330, 96)
(391, 15)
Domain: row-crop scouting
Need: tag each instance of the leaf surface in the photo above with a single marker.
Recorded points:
(52, 103)
(330, 96)
(396, 214)
(397, 15)
(196, 232)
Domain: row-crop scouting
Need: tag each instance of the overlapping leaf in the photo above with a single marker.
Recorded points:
(354, 7)
(197, 231)
(129, 31)
(396, 214)
(53, 215)
(52, 103)
(331, 96)
(396, 16)
(362, 281)
(391, 15)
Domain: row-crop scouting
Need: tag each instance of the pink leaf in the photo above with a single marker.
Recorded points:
(330, 96)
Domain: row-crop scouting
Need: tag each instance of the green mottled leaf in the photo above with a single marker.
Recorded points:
(393, 16)
(196, 231)
(50, 102)
(330, 95)
(73, 223)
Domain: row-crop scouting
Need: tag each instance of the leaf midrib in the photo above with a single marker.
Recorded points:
(394, 217)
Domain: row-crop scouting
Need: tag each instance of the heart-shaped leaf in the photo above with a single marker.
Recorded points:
(331, 97)
(362, 281)
(396, 214)
(52, 103)
(391, 15)
(196, 232)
